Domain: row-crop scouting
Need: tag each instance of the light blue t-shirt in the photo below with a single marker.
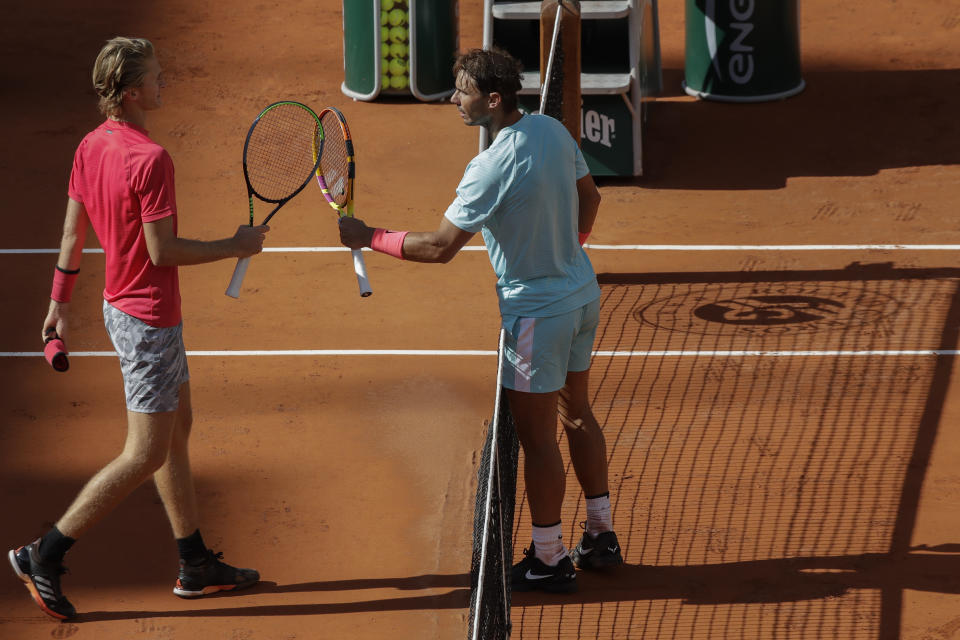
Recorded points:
(521, 193)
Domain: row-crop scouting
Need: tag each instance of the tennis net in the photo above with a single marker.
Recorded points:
(493, 523)
(769, 434)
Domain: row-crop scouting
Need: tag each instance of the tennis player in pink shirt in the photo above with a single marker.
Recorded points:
(122, 185)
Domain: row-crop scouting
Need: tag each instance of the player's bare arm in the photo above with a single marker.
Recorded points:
(75, 225)
(167, 250)
(589, 198)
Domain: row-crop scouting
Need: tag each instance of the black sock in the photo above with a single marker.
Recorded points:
(54, 546)
(191, 548)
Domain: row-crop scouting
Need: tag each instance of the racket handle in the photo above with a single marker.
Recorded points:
(56, 353)
(360, 267)
(237, 280)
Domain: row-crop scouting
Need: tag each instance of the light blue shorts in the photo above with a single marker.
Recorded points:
(539, 352)
(152, 359)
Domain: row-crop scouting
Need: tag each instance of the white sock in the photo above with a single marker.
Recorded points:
(548, 544)
(599, 518)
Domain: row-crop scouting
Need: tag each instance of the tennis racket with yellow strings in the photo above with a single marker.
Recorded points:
(335, 174)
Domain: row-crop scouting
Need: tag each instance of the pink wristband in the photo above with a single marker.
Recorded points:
(63, 282)
(388, 242)
(583, 235)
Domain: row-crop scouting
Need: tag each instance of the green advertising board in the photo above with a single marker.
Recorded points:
(607, 138)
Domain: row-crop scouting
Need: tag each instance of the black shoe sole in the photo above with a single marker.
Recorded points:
(595, 562)
(211, 589)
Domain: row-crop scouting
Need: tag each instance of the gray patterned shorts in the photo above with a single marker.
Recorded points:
(153, 361)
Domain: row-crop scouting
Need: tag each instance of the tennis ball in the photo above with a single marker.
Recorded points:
(384, 50)
(384, 34)
(398, 82)
(384, 66)
(384, 18)
(384, 81)
(397, 17)
(397, 34)
(398, 66)
(398, 50)
(386, 5)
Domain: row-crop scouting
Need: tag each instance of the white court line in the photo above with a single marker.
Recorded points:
(623, 247)
(281, 352)
(487, 353)
(774, 247)
(265, 250)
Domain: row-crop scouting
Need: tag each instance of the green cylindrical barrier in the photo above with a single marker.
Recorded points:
(434, 40)
(399, 47)
(742, 50)
(361, 49)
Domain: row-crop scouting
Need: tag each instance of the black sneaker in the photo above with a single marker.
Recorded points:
(597, 553)
(42, 580)
(531, 573)
(210, 576)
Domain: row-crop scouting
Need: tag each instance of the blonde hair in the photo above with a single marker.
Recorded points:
(121, 64)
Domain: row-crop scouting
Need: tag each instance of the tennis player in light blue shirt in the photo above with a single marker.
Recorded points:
(520, 194)
(532, 197)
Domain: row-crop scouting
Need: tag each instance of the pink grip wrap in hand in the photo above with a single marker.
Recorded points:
(56, 352)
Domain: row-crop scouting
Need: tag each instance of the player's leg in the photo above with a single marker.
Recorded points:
(174, 479)
(532, 379)
(546, 564)
(153, 363)
(534, 415)
(145, 451)
(598, 547)
(588, 449)
(40, 564)
(201, 570)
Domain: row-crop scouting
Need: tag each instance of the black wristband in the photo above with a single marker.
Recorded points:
(69, 272)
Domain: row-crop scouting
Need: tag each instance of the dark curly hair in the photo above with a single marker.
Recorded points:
(494, 70)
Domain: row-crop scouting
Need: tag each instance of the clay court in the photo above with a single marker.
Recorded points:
(792, 479)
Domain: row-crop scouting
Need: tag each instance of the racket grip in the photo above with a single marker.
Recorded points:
(56, 353)
(237, 280)
(360, 267)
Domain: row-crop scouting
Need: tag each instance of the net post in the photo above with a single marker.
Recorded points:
(560, 94)
(506, 551)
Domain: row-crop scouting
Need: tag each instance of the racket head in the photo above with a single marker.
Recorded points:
(336, 167)
(279, 152)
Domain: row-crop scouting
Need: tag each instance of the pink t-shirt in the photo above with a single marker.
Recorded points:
(124, 179)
